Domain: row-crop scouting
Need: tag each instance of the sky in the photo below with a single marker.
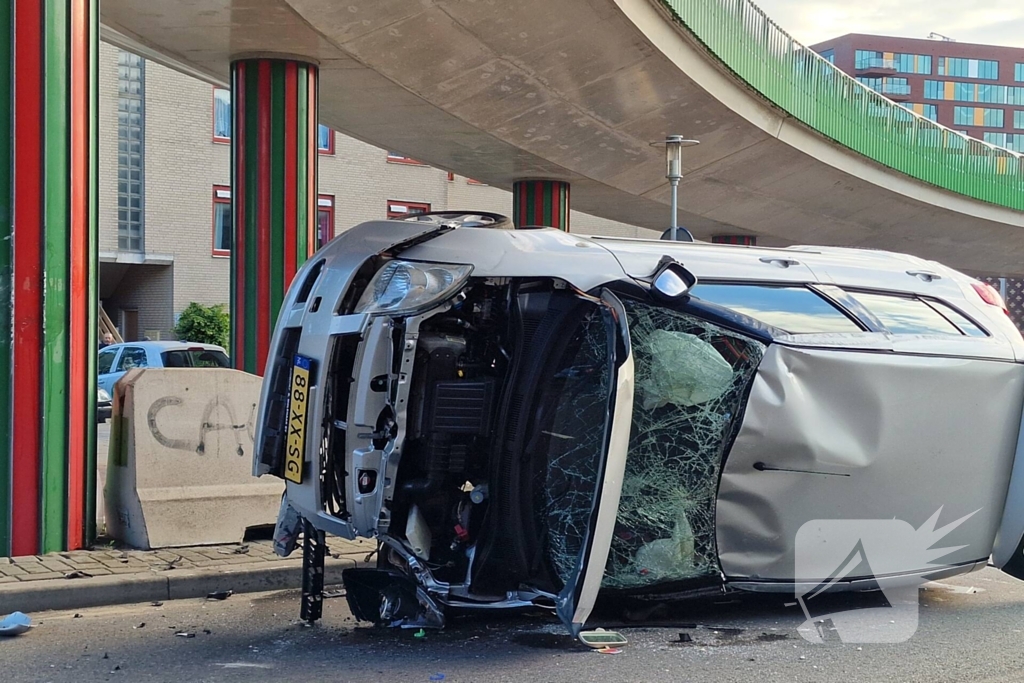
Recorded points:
(992, 22)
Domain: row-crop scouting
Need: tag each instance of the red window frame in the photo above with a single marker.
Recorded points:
(329, 150)
(329, 210)
(218, 198)
(408, 205)
(396, 158)
(213, 117)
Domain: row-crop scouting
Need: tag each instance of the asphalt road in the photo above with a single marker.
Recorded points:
(965, 634)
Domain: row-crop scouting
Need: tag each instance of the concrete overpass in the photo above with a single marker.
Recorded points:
(792, 150)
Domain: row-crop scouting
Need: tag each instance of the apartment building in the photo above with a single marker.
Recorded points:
(164, 192)
(975, 89)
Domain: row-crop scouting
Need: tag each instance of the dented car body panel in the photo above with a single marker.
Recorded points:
(520, 418)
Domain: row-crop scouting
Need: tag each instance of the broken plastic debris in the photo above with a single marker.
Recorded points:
(420, 634)
(15, 624)
(185, 634)
(78, 574)
(437, 677)
(220, 595)
(287, 529)
(610, 651)
(685, 638)
(686, 370)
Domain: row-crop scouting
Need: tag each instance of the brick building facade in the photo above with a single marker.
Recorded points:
(975, 89)
(163, 171)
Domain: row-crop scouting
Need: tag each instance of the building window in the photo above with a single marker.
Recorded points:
(1018, 119)
(221, 115)
(887, 86)
(1018, 72)
(325, 140)
(324, 219)
(978, 116)
(973, 92)
(398, 158)
(969, 68)
(1007, 140)
(221, 220)
(131, 81)
(403, 209)
(926, 110)
(903, 63)
(829, 56)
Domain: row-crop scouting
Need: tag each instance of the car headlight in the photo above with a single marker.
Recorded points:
(407, 287)
(102, 395)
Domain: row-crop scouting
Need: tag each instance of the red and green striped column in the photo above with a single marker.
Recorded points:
(273, 195)
(48, 269)
(541, 202)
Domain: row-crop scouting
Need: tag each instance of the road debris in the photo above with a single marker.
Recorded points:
(685, 638)
(220, 595)
(420, 634)
(185, 634)
(77, 574)
(14, 624)
(610, 651)
(437, 677)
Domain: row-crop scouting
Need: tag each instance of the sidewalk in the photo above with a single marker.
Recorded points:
(103, 576)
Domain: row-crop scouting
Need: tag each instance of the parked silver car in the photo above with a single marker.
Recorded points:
(529, 417)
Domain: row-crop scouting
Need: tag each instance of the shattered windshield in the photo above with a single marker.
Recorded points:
(576, 399)
(691, 380)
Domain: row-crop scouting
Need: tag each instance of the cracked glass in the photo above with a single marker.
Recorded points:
(691, 381)
(576, 408)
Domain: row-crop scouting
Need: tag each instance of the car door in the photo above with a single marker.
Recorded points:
(596, 500)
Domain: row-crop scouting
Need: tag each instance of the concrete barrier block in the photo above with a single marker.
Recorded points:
(180, 458)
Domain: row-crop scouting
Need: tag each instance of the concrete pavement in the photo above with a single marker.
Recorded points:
(970, 630)
(106, 576)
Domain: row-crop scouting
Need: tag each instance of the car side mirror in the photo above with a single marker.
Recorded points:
(672, 281)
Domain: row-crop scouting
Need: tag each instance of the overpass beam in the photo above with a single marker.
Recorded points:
(273, 195)
(541, 202)
(48, 269)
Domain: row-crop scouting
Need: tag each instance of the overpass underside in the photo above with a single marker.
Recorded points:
(576, 90)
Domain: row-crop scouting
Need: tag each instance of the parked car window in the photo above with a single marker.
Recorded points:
(195, 358)
(132, 357)
(905, 315)
(966, 325)
(797, 310)
(106, 360)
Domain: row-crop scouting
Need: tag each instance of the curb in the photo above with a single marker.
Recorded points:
(97, 591)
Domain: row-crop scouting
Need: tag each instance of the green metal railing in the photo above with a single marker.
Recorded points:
(812, 90)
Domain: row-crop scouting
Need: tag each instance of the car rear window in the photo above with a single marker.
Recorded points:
(195, 358)
(797, 310)
(905, 315)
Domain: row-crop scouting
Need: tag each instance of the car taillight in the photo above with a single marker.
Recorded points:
(989, 295)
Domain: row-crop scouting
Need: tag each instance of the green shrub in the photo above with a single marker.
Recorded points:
(204, 324)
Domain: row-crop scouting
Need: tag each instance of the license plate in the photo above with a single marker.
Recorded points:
(297, 406)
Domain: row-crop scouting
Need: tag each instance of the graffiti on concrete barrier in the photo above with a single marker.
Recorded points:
(219, 415)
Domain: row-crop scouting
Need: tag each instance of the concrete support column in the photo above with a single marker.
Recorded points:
(48, 274)
(273, 195)
(541, 202)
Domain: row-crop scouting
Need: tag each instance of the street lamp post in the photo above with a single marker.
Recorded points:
(674, 171)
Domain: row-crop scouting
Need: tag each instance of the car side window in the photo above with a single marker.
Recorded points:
(966, 325)
(106, 360)
(132, 357)
(796, 310)
(905, 315)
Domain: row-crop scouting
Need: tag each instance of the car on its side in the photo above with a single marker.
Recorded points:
(530, 417)
(117, 359)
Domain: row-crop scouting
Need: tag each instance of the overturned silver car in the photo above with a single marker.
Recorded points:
(529, 417)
